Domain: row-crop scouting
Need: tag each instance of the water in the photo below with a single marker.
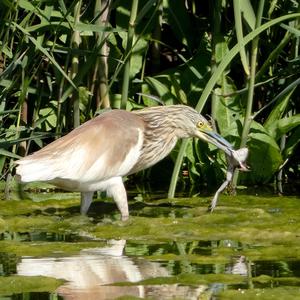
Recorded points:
(248, 249)
(93, 272)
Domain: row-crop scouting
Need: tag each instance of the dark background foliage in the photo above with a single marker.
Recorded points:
(62, 62)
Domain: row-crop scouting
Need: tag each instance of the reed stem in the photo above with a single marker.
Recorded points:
(213, 80)
(216, 40)
(101, 12)
(76, 40)
(251, 83)
(128, 51)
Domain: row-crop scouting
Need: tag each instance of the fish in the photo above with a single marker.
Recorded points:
(236, 160)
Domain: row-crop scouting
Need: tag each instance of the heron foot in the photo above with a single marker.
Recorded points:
(124, 218)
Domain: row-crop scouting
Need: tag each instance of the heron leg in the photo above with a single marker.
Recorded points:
(118, 192)
(86, 200)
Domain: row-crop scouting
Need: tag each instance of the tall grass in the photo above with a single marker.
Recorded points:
(62, 61)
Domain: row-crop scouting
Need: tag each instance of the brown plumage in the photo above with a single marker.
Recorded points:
(96, 155)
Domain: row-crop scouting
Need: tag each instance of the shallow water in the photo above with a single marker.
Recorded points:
(249, 248)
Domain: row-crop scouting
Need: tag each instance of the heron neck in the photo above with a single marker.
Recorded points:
(157, 144)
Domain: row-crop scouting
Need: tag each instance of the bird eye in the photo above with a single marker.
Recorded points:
(200, 124)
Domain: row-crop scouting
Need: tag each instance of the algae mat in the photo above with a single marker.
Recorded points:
(169, 249)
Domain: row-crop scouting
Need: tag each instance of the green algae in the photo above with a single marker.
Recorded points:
(258, 228)
(191, 258)
(265, 279)
(25, 207)
(250, 220)
(22, 284)
(278, 293)
(223, 255)
(40, 249)
(45, 224)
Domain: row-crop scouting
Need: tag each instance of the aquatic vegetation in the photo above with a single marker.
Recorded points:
(23, 284)
(250, 245)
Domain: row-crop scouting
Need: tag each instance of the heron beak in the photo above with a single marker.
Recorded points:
(206, 133)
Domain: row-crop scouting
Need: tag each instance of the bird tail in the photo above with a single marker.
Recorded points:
(32, 170)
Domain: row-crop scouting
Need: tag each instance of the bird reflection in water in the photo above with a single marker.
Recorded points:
(92, 273)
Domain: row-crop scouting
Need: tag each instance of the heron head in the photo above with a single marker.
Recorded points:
(204, 131)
